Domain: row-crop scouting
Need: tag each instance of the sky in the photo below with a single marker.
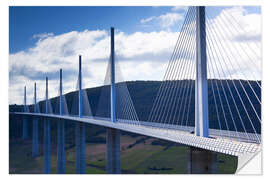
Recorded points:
(44, 39)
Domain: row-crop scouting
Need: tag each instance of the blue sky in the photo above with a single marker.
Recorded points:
(45, 39)
(27, 21)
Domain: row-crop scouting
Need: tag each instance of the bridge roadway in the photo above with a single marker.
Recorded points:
(227, 142)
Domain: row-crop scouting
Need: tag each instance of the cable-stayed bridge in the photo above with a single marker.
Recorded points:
(206, 100)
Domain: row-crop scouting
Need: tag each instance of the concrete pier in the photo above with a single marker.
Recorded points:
(35, 126)
(201, 161)
(80, 147)
(25, 128)
(47, 136)
(46, 146)
(35, 149)
(113, 151)
(61, 159)
(80, 130)
(113, 135)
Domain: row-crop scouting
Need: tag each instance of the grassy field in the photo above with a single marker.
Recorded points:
(138, 156)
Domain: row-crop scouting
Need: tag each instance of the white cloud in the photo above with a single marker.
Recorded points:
(142, 56)
(147, 19)
(235, 36)
(134, 51)
(170, 19)
(243, 25)
(179, 8)
(42, 35)
(165, 20)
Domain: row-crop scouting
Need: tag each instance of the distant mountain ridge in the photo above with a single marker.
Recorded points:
(143, 94)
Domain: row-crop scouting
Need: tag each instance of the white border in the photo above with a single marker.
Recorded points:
(4, 72)
(133, 2)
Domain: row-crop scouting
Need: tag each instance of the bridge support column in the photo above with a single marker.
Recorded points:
(113, 151)
(113, 135)
(201, 161)
(35, 138)
(25, 128)
(47, 146)
(80, 147)
(47, 136)
(80, 130)
(61, 160)
(35, 127)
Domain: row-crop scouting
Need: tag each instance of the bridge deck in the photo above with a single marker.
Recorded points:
(228, 143)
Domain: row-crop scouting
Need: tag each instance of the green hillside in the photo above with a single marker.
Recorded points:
(139, 154)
